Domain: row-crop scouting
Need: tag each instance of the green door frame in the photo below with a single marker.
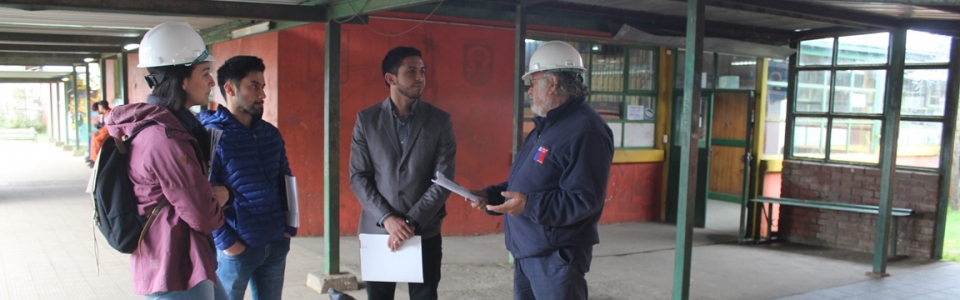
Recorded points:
(703, 171)
(703, 165)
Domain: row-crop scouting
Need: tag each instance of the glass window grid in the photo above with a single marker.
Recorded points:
(626, 92)
(830, 115)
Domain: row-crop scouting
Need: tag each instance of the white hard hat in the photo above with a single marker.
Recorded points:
(557, 56)
(170, 44)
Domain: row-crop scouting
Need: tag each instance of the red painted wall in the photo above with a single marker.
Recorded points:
(109, 76)
(300, 87)
(136, 87)
(263, 46)
(469, 75)
(633, 193)
(462, 79)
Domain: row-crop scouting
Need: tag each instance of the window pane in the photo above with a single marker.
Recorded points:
(867, 49)
(924, 92)
(640, 108)
(527, 111)
(606, 69)
(919, 144)
(706, 81)
(812, 91)
(639, 135)
(774, 132)
(860, 91)
(810, 137)
(925, 47)
(736, 72)
(816, 52)
(855, 140)
(617, 128)
(608, 106)
(776, 107)
(642, 73)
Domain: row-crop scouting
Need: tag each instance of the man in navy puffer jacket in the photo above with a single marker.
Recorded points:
(250, 158)
(554, 195)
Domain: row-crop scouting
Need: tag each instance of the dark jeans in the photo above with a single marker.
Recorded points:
(262, 267)
(558, 275)
(432, 254)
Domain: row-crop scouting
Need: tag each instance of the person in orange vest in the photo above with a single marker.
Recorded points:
(103, 108)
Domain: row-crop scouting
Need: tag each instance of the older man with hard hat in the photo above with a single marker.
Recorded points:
(554, 194)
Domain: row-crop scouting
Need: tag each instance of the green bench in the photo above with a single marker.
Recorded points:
(896, 212)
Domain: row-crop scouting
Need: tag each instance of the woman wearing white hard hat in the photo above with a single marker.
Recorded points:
(175, 258)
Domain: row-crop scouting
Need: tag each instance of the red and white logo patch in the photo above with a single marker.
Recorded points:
(541, 154)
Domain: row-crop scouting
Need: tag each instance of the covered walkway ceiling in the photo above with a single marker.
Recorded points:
(50, 32)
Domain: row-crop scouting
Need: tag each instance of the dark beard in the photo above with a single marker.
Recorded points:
(410, 95)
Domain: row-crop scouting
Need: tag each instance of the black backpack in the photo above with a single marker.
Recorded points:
(115, 204)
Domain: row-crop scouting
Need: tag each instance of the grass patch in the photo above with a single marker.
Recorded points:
(951, 240)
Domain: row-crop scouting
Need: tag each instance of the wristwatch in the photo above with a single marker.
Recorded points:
(410, 221)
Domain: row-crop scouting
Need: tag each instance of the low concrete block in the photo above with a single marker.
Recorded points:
(321, 283)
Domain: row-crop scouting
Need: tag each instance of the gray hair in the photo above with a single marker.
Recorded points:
(570, 84)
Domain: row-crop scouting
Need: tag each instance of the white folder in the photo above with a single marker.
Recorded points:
(378, 263)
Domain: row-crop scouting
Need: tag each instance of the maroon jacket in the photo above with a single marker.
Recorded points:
(177, 252)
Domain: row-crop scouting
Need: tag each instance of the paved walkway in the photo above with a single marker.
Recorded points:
(47, 251)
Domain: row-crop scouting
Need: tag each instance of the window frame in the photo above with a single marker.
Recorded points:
(830, 113)
(625, 92)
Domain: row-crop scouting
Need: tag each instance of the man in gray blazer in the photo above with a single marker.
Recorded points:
(398, 145)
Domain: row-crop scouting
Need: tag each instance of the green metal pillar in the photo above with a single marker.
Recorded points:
(61, 134)
(946, 148)
(76, 109)
(519, 63)
(331, 150)
(86, 127)
(122, 61)
(55, 112)
(103, 81)
(888, 151)
(688, 138)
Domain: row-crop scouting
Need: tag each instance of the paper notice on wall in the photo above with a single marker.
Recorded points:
(635, 112)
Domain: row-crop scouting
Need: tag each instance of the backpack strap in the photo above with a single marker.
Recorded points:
(160, 203)
(153, 215)
(137, 131)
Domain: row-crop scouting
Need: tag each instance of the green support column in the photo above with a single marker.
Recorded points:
(86, 127)
(55, 112)
(519, 63)
(76, 110)
(686, 200)
(122, 61)
(67, 91)
(331, 150)
(103, 81)
(50, 114)
(888, 151)
(61, 116)
(946, 148)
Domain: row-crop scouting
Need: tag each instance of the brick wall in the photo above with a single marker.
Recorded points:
(856, 185)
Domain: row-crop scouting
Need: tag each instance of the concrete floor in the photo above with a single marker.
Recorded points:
(47, 251)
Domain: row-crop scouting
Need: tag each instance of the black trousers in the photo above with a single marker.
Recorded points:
(432, 254)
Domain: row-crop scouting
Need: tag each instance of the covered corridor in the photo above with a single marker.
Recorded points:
(48, 252)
